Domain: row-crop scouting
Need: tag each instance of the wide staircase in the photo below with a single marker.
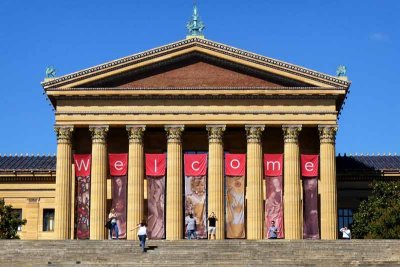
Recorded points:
(201, 253)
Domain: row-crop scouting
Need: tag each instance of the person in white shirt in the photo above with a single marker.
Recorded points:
(142, 234)
(346, 233)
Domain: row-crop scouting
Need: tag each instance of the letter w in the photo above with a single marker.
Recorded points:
(82, 163)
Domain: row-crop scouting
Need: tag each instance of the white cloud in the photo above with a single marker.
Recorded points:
(379, 37)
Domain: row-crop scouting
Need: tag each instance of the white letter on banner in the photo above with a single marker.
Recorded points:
(309, 166)
(118, 165)
(155, 166)
(85, 166)
(238, 164)
(195, 162)
(273, 165)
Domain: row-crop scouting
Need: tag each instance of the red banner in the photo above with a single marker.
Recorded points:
(235, 164)
(273, 164)
(118, 164)
(309, 165)
(195, 164)
(82, 165)
(156, 164)
(82, 190)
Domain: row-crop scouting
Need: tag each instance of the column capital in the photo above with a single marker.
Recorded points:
(174, 133)
(64, 134)
(291, 133)
(327, 134)
(135, 133)
(215, 133)
(99, 133)
(254, 133)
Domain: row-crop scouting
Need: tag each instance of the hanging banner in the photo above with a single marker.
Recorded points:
(155, 174)
(309, 165)
(82, 205)
(195, 191)
(273, 165)
(156, 164)
(118, 171)
(235, 164)
(310, 196)
(235, 171)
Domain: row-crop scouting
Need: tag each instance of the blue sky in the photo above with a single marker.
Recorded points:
(317, 34)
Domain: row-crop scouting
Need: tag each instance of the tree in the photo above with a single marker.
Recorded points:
(379, 216)
(9, 222)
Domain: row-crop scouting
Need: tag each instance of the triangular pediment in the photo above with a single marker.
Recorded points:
(195, 62)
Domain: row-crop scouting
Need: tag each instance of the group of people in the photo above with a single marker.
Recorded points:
(191, 223)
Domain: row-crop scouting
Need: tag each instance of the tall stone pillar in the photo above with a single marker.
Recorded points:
(292, 180)
(63, 182)
(254, 194)
(174, 214)
(98, 194)
(327, 187)
(135, 212)
(216, 201)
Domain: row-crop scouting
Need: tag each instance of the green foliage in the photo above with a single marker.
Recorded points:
(379, 216)
(9, 222)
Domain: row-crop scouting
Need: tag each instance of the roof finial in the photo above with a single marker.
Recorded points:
(195, 26)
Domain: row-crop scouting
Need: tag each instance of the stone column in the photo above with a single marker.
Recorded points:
(62, 223)
(98, 192)
(216, 189)
(174, 214)
(292, 192)
(327, 186)
(135, 210)
(254, 194)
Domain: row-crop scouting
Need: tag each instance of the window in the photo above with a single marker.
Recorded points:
(48, 220)
(19, 212)
(345, 218)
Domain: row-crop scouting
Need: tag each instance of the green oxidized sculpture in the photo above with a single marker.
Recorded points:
(341, 71)
(195, 25)
(50, 72)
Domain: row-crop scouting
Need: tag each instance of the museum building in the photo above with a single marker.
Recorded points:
(193, 127)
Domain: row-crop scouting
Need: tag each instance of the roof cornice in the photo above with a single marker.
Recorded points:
(201, 44)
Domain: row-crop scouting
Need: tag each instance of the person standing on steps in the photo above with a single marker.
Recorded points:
(112, 217)
(142, 234)
(212, 220)
(273, 231)
(346, 233)
(191, 227)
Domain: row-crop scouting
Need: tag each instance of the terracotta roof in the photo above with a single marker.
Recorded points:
(27, 163)
(365, 163)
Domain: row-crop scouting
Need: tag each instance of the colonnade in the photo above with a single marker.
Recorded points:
(216, 201)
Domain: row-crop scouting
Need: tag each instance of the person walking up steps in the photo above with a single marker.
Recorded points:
(142, 234)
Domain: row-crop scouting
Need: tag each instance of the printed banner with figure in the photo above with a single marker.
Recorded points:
(195, 191)
(155, 174)
(235, 173)
(309, 166)
(82, 184)
(273, 169)
(118, 172)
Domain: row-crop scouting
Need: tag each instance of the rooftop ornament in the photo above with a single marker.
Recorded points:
(50, 72)
(341, 71)
(195, 26)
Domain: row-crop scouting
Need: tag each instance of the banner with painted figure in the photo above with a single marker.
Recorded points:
(118, 171)
(235, 173)
(156, 165)
(82, 191)
(309, 171)
(273, 169)
(195, 191)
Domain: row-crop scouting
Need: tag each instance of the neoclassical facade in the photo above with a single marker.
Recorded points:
(196, 95)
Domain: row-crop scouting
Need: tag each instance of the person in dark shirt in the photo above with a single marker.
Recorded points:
(212, 220)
